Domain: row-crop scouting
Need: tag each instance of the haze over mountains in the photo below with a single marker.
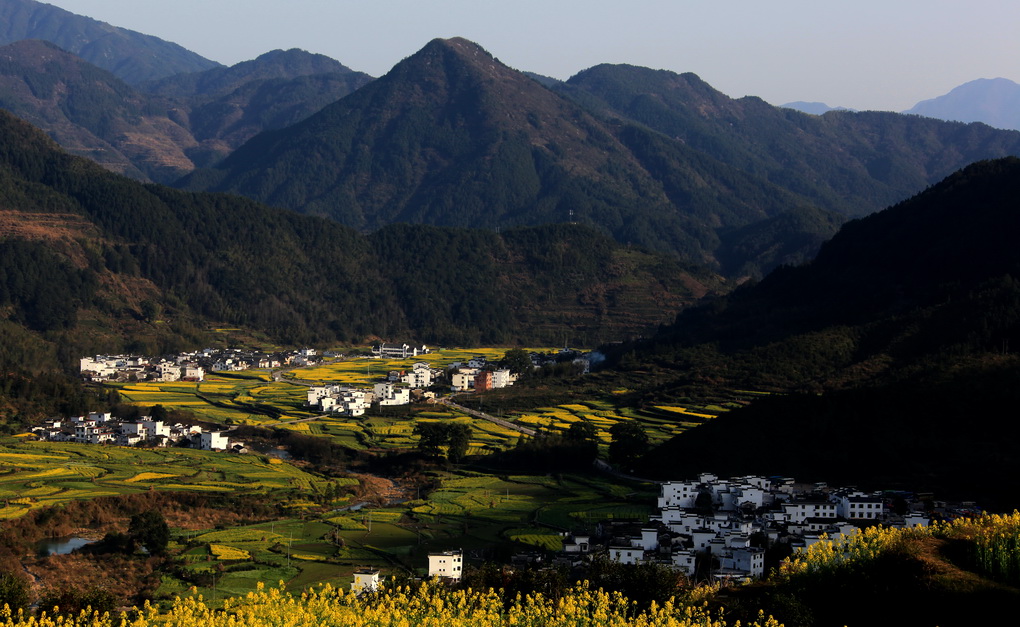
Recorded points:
(169, 127)
(452, 137)
(132, 57)
(994, 101)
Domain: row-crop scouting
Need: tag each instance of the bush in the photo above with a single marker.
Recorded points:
(71, 601)
(13, 591)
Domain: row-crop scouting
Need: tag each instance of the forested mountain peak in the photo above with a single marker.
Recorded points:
(853, 163)
(620, 81)
(452, 136)
(442, 122)
(34, 53)
(275, 64)
(132, 56)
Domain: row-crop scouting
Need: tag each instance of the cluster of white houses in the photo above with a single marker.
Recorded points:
(404, 386)
(102, 428)
(190, 366)
(729, 521)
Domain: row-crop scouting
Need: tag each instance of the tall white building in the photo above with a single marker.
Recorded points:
(448, 565)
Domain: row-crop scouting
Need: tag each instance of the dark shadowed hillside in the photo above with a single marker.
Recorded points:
(153, 267)
(897, 341)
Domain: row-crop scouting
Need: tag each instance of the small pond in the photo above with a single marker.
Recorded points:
(61, 546)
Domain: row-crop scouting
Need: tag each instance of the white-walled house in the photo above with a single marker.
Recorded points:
(463, 379)
(399, 351)
(168, 372)
(365, 580)
(684, 561)
(745, 561)
(626, 554)
(678, 494)
(214, 441)
(501, 378)
(448, 565)
(389, 394)
(800, 511)
(859, 506)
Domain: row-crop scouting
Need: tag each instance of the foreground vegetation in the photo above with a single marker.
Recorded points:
(427, 605)
(917, 576)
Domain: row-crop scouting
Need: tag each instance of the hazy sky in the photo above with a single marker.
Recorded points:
(863, 54)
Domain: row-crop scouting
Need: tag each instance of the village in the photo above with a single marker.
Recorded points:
(421, 382)
(402, 387)
(193, 365)
(731, 522)
(717, 528)
(104, 428)
(708, 526)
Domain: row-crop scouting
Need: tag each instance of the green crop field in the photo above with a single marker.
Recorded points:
(660, 423)
(468, 510)
(40, 474)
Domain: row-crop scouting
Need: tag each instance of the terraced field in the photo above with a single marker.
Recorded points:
(660, 422)
(224, 400)
(469, 510)
(39, 474)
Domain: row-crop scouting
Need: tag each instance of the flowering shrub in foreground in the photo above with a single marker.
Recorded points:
(430, 606)
(993, 541)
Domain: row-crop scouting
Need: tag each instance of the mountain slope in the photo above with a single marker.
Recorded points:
(994, 101)
(896, 341)
(852, 163)
(84, 250)
(158, 137)
(131, 56)
(452, 137)
(276, 64)
(226, 106)
(92, 113)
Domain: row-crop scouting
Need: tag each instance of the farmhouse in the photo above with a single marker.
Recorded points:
(365, 580)
(446, 565)
(398, 351)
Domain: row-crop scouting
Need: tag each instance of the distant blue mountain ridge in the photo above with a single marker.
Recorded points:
(994, 101)
(814, 108)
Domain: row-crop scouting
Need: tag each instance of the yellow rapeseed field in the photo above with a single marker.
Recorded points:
(430, 606)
